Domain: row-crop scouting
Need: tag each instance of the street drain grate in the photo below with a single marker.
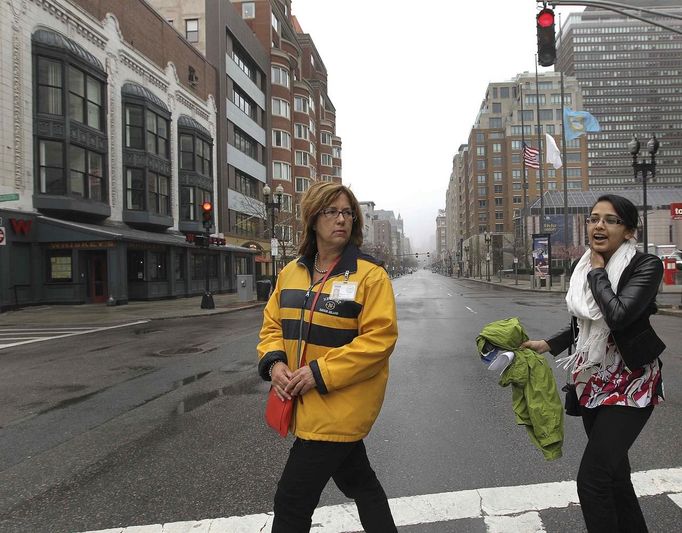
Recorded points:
(179, 351)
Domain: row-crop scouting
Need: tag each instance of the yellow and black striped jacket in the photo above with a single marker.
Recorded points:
(348, 346)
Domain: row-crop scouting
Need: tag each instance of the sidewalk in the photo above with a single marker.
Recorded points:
(669, 298)
(96, 314)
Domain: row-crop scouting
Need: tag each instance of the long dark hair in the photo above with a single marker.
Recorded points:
(624, 208)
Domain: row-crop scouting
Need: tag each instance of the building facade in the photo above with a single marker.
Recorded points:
(630, 73)
(491, 183)
(242, 89)
(107, 139)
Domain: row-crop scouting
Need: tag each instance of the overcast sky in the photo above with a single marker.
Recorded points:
(407, 80)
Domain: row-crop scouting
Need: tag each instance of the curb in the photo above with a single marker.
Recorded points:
(210, 312)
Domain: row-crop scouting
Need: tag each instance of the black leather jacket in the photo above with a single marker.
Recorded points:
(626, 313)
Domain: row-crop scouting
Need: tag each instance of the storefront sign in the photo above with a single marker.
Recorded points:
(676, 211)
(90, 245)
(3, 239)
(9, 197)
(21, 226)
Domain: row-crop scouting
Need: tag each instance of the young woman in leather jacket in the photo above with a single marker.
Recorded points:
(615, 366)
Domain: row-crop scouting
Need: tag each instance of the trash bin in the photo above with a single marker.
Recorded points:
(669, 271)
(263, 289)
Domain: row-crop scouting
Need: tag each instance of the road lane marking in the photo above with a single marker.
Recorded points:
(502, 509)
(470, 309)
(80, 331)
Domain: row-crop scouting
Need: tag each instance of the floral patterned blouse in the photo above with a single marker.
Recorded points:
(615, 384)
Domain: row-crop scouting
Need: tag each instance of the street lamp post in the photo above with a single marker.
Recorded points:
(488, 238)
(646, 169)
(468, 261)
(272, 207)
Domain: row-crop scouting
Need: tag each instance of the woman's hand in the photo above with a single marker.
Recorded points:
(281, 378)
(301, 381)
(597, 260)
(538, 346)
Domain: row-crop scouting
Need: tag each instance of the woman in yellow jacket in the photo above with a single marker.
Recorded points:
(339, 390)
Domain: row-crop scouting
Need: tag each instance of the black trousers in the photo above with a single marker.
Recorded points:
(607, 498)
(310, 465)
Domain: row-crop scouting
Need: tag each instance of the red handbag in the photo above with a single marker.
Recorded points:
(277, 412)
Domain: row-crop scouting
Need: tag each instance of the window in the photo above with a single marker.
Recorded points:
(179, 267)
(85, 173)
(280, 108)
(480, 150)
(495, 122)
(504, 92)
(498, 189)
(302, 184)
(516, 199)
(286, 203)
(281, 139)
(51, 167)
(301, 104)
(480, 138)
(281, 171)
(482, 204)
(159, 193)
(280, 76)
(192, 30)
(239, 57)
(497, 147)
(246, 184)
(244, 103)
(516, 145)
(573, 172)
(245, 144)
(483, 191)
(499, 228)
(480, 164)
(135, 189)
(546, 114)
(301, 131)
(275, 22)
(188, 204)
(196, 154)
(499, 215)
(336, 152)
(59, 266)
(302, 158)
(497, 107)
(498, 201)
(327, 160)
(497, 176)
(134, 127)
(157, 266)
(49, 86)
(85, 98)
(136, 265)
(248, 10)
(157, 134)
(526, 115)
(283, 233)
(481, 178)
(326, 138)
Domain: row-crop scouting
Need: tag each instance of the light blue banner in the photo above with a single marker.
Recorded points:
(576, 123)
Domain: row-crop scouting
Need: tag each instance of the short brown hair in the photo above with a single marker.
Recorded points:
(316, 198)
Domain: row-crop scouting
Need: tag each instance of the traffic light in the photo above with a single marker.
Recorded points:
(417, 255)
(428, 254)
(207, 214)
(546, 46)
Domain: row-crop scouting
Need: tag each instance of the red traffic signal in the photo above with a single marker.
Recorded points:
(545, 34)
(207, 214)
(546, 18)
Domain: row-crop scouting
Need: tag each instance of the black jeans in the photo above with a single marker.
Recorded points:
(608, 501)
(310, 465)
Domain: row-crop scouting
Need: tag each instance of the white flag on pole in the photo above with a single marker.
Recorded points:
(553, 153)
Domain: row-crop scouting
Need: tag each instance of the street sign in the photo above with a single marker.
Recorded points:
(274, 247)
(3, 240)
(676, 211)
(516, 260)
(9, 197)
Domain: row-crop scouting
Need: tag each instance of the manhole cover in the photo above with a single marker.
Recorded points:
(179, 351)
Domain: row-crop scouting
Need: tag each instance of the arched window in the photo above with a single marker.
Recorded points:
(70, 129)
(146, 158)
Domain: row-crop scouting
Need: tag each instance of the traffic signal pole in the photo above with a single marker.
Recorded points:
(207, 220)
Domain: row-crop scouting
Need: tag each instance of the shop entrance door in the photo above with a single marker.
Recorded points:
(97, 277)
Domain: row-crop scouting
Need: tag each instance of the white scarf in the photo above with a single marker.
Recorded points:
(593, 332)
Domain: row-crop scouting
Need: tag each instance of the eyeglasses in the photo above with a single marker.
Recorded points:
(333, 213)
(609, 220)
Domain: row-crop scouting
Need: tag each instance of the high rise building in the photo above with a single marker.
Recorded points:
(490, 187)
(217, 30)
(630, 73)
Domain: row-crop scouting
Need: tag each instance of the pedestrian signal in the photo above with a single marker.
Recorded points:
(545, 32)
(207, 214)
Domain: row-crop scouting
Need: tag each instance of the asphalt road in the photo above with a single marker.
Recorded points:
(163, 422)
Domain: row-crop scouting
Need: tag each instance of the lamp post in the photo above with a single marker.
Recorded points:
(272, 207)
(468, 260)
(646, 169)
(487, 238)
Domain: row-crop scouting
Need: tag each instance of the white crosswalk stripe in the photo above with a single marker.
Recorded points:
(12, 336)
(502, 509)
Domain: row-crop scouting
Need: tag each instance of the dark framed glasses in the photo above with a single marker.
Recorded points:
(609, 220)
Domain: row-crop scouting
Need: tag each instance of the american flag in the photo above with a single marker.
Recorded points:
(530, 156)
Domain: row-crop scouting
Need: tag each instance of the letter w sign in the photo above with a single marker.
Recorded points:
(20, 226)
